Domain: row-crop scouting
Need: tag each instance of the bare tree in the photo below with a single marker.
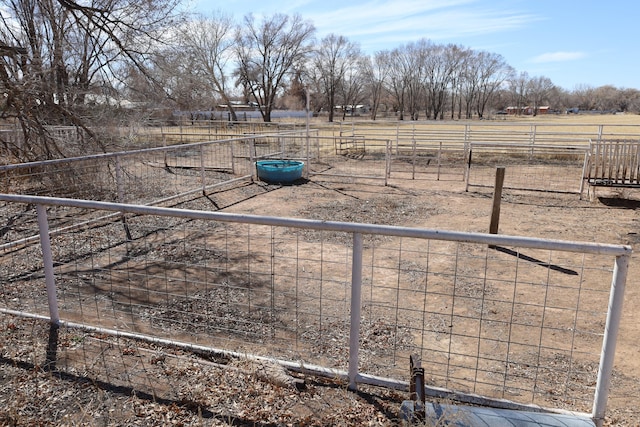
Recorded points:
(352, 87)
(629, 100)
(492, 73)
(208, 43)
(460, 74)
(62, 51)
(376, 70)
(468, 84)
(332, 59)
(415, 59)
(397, 81)
(172, 78)
(440, 65)
(539, 89)
(518, 89)
(267, 52)
(406, 78)
(607, 98)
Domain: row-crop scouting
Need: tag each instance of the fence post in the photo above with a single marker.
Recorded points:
(413, 153)
(202, 174)
(467, 130)
(121, 196)
(439, 160)
(497, 198)
(252, 159)
(532, 137)
(233, 158)
(119, 181)
(467, 168)
(47, 259)
(600, 132)
(585, 168)
(614, 314)
(306, 125)
(356, 297)
(467, 156)
(387, 163)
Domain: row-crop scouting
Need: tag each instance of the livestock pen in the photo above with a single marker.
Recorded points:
(158, 260)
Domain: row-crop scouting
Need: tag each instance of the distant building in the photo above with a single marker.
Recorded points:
(238, 106)
(353, 109)
(527, 110)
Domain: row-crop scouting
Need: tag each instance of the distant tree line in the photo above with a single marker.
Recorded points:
(101, 63)
(277, 61)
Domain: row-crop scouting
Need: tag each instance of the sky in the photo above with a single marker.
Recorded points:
(575, 43)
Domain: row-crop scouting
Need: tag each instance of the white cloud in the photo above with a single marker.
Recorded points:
(558, 57)
(409, 20)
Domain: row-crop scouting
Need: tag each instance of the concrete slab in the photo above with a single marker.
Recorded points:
(470, 416)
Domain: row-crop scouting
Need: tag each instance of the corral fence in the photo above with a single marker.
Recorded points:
(533, 167)
(537, 157)
(213, 130)
(153, 175)
(74, 140)
(448, 132)
(497, 320)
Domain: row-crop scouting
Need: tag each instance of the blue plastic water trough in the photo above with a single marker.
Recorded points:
(279, 171)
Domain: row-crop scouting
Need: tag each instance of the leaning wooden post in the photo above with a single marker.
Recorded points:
(497, 197)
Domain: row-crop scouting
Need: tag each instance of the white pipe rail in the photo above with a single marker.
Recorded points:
(47, 259)
(614, 314)
(356, 306)
(397, 231)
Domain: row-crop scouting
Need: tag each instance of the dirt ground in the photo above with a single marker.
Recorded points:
(612, 217)
(239, 396)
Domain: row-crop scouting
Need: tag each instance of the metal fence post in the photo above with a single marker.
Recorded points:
(306, 125)
(467, 155)
(233, 158)
(356, 297)
(387, 162)
(47, 258)
(252, 159)
(439, 160)
(600, 132)
(614, 313)
(202, 173)
(119, 182)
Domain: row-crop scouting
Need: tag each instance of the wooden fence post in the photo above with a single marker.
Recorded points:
(497, 197)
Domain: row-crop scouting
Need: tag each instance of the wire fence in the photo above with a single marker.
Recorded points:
(521, 319)
(549, 168)
(467, 132)
(537, 158)
(150, 175)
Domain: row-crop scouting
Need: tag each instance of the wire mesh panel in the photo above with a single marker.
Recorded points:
(507, 320)
(527, 167)
(422, 160)
(245, 288)
(135, 175)
(354, 157)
